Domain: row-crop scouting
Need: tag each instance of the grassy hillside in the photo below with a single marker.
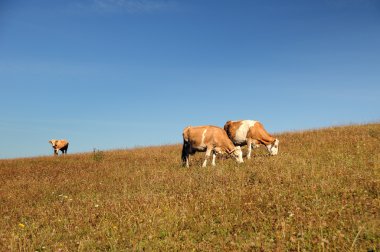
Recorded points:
(320, 193)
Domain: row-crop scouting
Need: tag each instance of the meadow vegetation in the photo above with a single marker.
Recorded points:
(320, 193)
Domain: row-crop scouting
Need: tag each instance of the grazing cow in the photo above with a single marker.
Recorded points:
(210, 139)
(59, 145)
(252, 134)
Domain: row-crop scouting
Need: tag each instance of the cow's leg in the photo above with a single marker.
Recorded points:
(187, 157)
(249, 146)
(55, 152)
(208, 153)
(213, 158)
(186, 149)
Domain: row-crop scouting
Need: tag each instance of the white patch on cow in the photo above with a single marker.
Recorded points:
(238, 154)
(273, 147)
(241, 132)
(203, 138)
(269, 147)
(202, 145)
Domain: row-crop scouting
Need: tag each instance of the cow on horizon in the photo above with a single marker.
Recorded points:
(59, 145)
(210, 139)
(252, 134)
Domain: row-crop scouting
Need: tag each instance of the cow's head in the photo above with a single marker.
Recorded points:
(53, 142)
(237, 154)
(273, 147)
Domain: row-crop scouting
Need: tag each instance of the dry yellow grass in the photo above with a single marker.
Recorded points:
(320, 193)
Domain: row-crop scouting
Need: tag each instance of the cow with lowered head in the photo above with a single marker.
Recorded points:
(252, 134)
(210, 139)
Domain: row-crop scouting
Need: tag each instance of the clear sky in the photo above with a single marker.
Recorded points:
(111, 74)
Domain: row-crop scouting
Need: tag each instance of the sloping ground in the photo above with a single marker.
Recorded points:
(321, 192)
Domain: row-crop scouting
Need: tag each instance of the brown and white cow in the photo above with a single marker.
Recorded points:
(252, 134)
(209, 139)
(59, 145)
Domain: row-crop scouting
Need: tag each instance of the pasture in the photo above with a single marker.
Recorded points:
(320, 193)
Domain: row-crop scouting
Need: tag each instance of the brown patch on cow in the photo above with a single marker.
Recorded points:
(231, 127)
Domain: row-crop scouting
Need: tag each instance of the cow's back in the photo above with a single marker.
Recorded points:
(62, 144)
(203, 136)
(215, 135)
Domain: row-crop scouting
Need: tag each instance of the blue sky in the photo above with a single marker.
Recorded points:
(111, 74)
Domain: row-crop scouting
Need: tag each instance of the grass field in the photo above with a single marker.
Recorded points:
(321, 193)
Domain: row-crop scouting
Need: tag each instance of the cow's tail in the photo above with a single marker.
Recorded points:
(185, 146)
